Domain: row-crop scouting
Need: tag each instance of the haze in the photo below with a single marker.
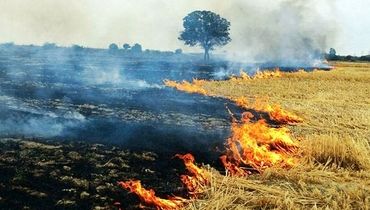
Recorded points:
(342, 24)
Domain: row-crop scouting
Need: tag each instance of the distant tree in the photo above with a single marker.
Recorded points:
(206, 29)
(126, 47)
(349, 58)
(113, 46)
(365, 58)
(332, 52)
(77, 47)
(178, 51)
(136, 48)
(48, 45)
(7, 45)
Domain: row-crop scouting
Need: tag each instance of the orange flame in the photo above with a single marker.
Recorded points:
(282, 116)
(259, 75)
(268, 74)
(149, 198)
(257, 146)
(196, 86)
(251, 146)
(198, 178)
(274, 111)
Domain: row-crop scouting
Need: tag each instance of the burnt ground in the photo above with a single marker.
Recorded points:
(78, 175)
(72, 124)
(50, 174)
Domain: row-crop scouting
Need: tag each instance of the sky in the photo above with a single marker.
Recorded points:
(341, 24)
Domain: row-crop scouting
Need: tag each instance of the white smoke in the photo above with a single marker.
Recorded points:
(256, 26)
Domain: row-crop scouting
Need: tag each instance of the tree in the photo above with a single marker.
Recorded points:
(332, 52)
(113, 46)
(206, 29)
(178, 51)
(136, 48)
(126, 47)
(49, 45)
(77, 48)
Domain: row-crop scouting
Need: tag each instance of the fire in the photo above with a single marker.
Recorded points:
(196, 86)
(260, 75)
(268, 74)
(274, 111)
(193, 183)
(282, 116)
(198, 177)
(252, 146)
(257, 146)
(149, 198)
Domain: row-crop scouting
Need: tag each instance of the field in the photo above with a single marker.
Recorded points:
(70, 133)
(334, 162)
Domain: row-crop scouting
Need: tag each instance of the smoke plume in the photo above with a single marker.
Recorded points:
(284, 32)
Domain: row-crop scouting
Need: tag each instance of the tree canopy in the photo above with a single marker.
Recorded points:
(136, 48)
(113, 46)
(206, 29)
(126, 47)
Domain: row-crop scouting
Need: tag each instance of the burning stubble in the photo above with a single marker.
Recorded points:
(251, 147)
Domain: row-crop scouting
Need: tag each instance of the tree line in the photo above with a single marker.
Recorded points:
(332, 56)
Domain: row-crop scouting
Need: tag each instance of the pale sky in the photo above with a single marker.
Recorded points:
(156, 23)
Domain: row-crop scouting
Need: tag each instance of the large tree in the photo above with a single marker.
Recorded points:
(206, 29)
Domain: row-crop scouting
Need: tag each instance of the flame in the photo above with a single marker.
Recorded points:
(274, 111)
(268, 74)
(259, 75)
(198, 177)
(193, 182)
(196, 86)
(282, 116)
(251, 146)
(257, 146)
(149, 198)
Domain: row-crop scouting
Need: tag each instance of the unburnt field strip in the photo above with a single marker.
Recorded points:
(334, 165)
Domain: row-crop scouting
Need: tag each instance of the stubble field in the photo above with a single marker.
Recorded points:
(334, 164)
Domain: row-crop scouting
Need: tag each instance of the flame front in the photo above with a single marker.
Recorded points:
(282, 116)
(196, 86)
(257, 146)
(274, 111)
(252, 146)
(149, 198)
(261, 74)
(197, 178)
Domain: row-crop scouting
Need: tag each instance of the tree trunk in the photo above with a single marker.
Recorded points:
(206, 54)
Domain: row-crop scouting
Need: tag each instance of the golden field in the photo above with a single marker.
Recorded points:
(334, 154)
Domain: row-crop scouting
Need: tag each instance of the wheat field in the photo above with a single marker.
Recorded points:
(334, 164)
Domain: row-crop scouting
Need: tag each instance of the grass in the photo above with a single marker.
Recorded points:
(334, 168)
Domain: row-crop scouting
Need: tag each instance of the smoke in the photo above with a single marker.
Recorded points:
(100, 95)
(26, 118)
(283, 33)
(268, 31)
(114, 76)
(51, 92)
